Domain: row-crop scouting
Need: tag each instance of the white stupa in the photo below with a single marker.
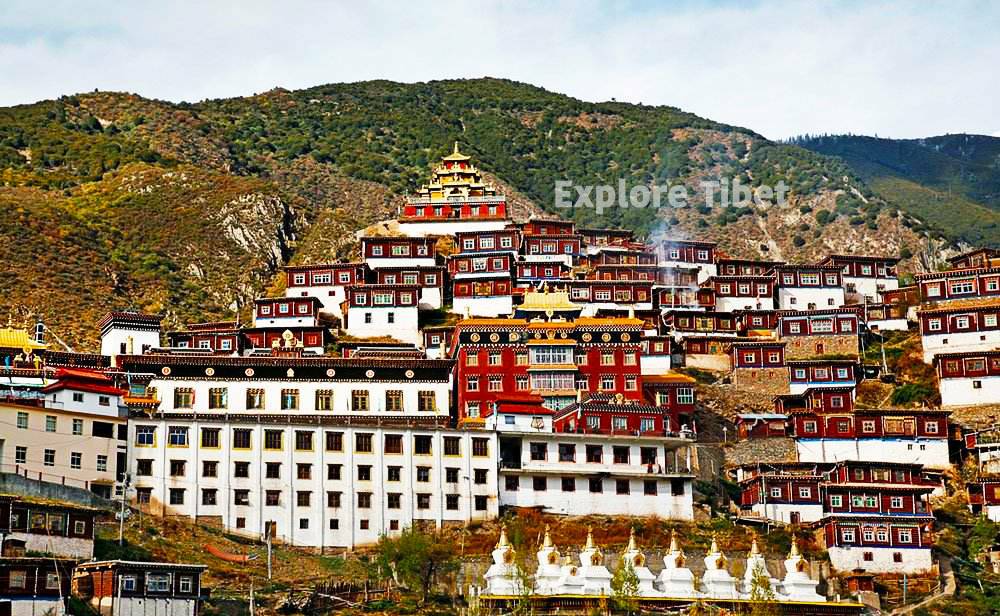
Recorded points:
(549, 573)
(571, 582)
(676, 580)
(503, 576)
(797, 585)
(717, 583)
(637, 560)
(755, 562)
(596, 577)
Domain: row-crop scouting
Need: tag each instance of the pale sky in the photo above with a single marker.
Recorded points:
(896, 69)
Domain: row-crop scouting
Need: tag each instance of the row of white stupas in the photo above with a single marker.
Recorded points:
(591, 577)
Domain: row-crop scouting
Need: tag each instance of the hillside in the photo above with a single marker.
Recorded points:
(190, 209)
(951, 181)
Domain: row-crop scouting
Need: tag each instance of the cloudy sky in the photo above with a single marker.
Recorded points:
(896, 69)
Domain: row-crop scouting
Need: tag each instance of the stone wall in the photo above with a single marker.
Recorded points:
(717, 362)
(11, 483)
(771, 381)
(806, 347)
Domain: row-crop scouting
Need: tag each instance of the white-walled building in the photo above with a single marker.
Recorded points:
(809, 287)
(129, 333)
(325, 282)
(865, 277)
(968, 379)
(398, 251)
(583, 474)
(383, 310)
(960, 328)
(334, 452)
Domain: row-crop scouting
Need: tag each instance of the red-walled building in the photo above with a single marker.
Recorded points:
(223, 337)
(612, 414)
(549, 226)
(489, 241)
(285, 312)
(553, 357)
(959, 284)
(456, 192)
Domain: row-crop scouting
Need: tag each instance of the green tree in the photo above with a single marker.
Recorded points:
(762, 598)
(415, 559)
(625, 587)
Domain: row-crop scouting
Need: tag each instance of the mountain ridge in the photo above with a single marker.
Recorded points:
(295, 173)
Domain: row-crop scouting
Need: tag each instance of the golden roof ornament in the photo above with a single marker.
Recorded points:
(590, 538)
(715, 545)
(547, 541)
(754, 548)
(674, 544)
(503, 542)
(795, 547)
(631, 547)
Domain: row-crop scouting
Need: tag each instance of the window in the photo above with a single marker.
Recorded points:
(303, 498)
(324, 400)
(183, 398)
(538, 451)
(847, 535)
(451, 475)
(210, 438)
(423, 501)
(621, 486)
(359, 400)
(334, 441)
(363, 442)
(805, 492)
(218, 398)
(303, 471)
(75, 460)
(20, 455)
(422, 445)
(568, 484)
(177, 436)
(511, 483)
(241, 438)
(255, 399)
(273, 439)
(836, 500)
(50, 457)
(303, 440)
(649, 487)
(209, 468)
(77, 427)
(896, 502)
(209, 496)
(393, 444)
(50, 423)
(685, 395)
(17, 579)
(539, 484)
(480, 447)
(905, 535)
(775, 492)
(177, 468)
(596, 485)
(176, 496)
(451, 502)
(426, 402)
(620, 454)
(480, 476)
(423, 474)
(289, 399)
(333, 499)
(22, 420)
(272, 498)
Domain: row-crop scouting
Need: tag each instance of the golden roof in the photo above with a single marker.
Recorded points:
(548, 300)
(12, 338)
(456, 155)
(668, 377)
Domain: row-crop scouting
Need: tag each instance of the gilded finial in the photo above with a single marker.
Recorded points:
(674, 544)
(590, 538)
(715, 545)
(795, 547)
(754, 548)
(456, 147)
(547, 541)
(631, 541)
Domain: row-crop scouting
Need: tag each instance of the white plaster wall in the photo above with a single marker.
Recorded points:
(961, 392)
(430, 298)
(848, 558)
(70, 547)
(91, 405)
(583, 502)
(26, 606)
(493, 306)
(929, 452)
(522, 423)
(729, 304)
(889, 325)
(330, 297)
(377, 262)
(146, 606)
(705, 270)
(423, 229)
(805, 296)
(962, 342)
(782, 512)
(992, 512)
(288, 514)
(654, 364)
(403, 329)
(869, 286)
(112, 341)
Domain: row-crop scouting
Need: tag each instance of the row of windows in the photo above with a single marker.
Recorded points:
(284, 308)
(361, 399)
(178, 436)
(962, 322)
(553, 380)
(880, 535)
(304, 471)
(101, 429)
(549, 355)
(322, 278)
(399, 250)
(49, 459)
(272, 498)
(595, 485)
(868, 426)
(594, 454)
(487, 243)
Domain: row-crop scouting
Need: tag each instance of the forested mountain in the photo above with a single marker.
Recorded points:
(113, 200)
(951, 181)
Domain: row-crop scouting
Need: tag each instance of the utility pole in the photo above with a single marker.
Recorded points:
(268, 528)
(121, 512)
